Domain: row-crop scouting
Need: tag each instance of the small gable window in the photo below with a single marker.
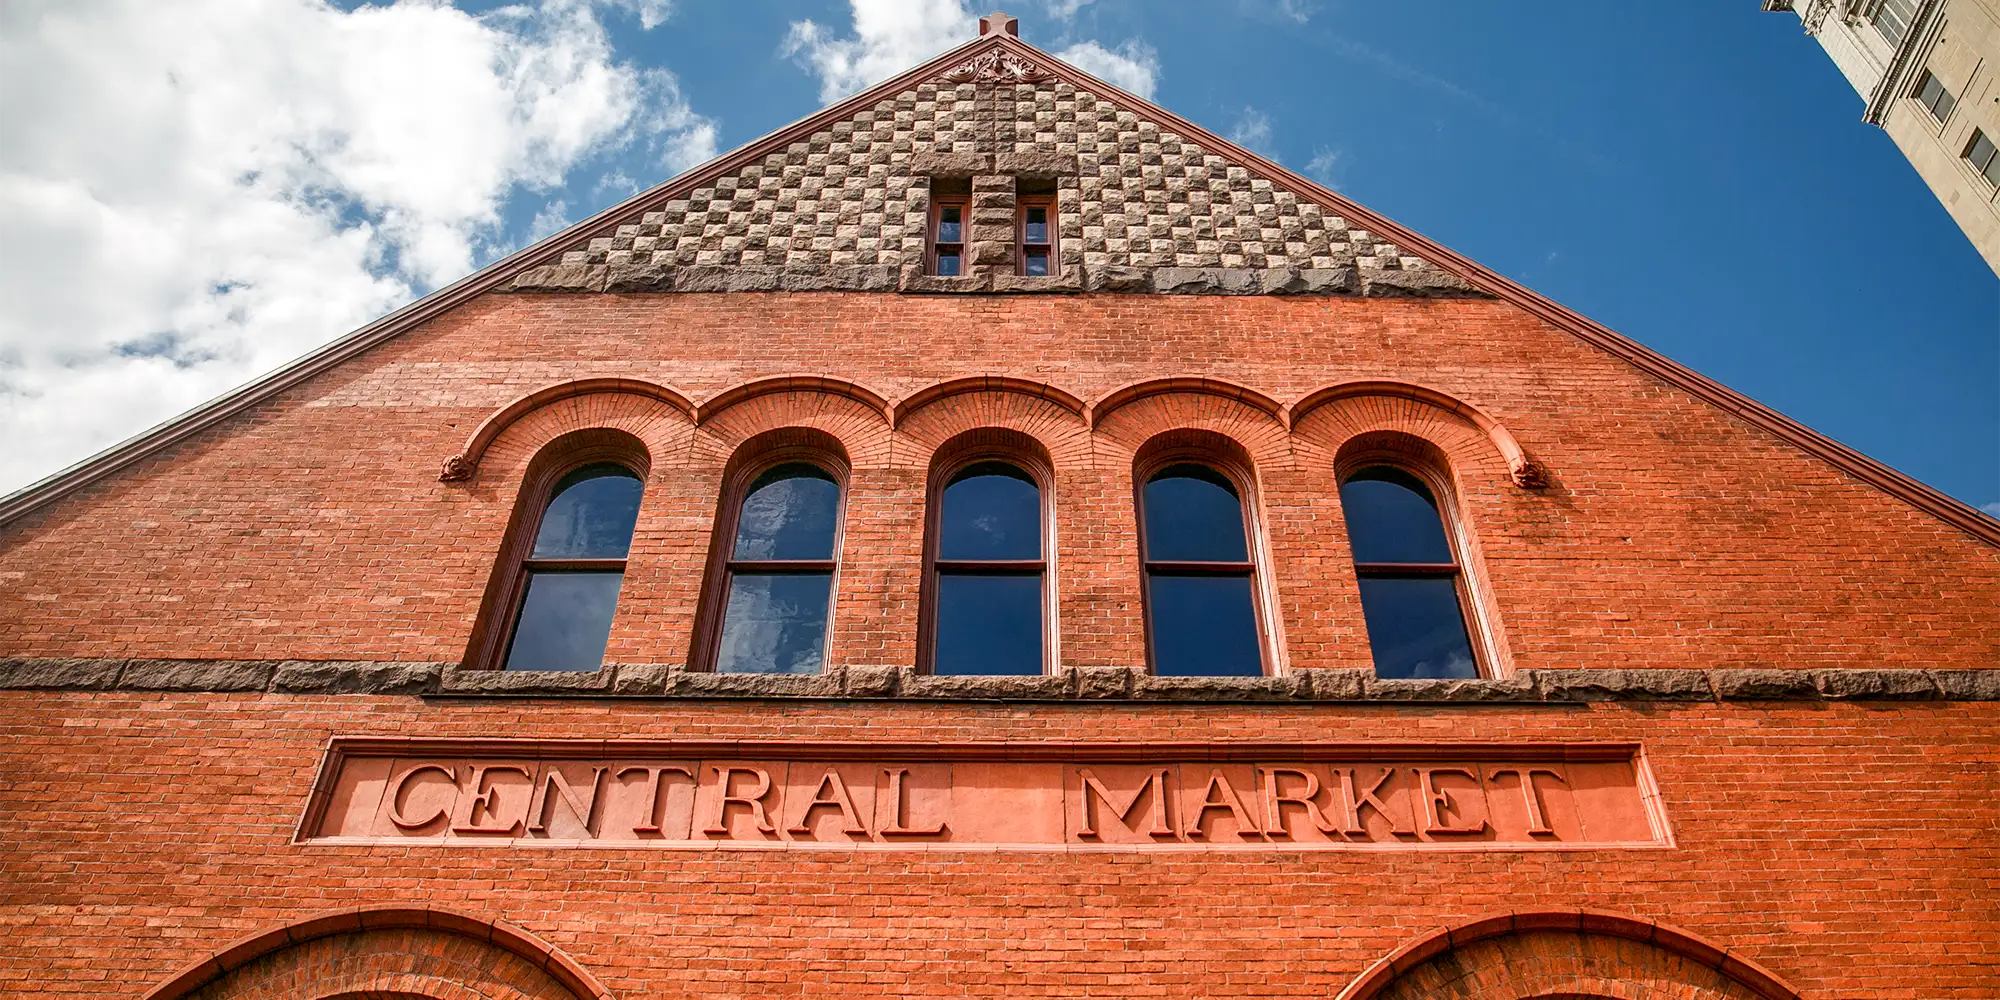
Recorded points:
(1201, 606)
(779, 575)
(1035, 227)
(950, 211)
(571, 577)
(987, 572)
(1412, 586)
(1934, 97)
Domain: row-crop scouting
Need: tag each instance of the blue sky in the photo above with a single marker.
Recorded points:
(1695, 176)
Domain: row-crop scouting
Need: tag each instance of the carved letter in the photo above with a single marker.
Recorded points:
(1275, 802)
(1219, 785)
(837, 799)
(656, 782)
(1087, 825)
(396, 796)
(1351, 804)
(753, 801)
(585, 809)
(1436, 801)
(487, 798)
(899, 824)
(1538, 821)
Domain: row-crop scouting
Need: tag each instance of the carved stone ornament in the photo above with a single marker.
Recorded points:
(996, 66)
(1530, 475)
(456, 469)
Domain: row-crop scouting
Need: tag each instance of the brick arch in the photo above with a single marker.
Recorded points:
(389, 952)
(567, 406)
(1565, 955)
(1053, 425)
(1182, 385)
(820, 384)
(1321, 434)
(984, 383)
(1525, 472)
(1252, 427)
(858, 424)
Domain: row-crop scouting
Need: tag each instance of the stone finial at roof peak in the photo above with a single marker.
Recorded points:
(997, 23)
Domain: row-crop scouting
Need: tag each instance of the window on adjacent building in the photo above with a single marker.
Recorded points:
(569, 582)
(778, 582)
(1035, 227)
(950, 217)
(1201, 583)
(1980, 152)
(988, 571)
(1412, 587)
(1933, 96)
(1892, 19)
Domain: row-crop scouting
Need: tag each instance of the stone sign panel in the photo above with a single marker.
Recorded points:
(1077, 797)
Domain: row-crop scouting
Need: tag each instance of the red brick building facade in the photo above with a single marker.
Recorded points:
(1725, 726)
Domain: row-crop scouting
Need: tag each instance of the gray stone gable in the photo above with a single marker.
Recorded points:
(1141, 208)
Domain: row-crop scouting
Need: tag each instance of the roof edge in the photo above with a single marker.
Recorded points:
(161, 436)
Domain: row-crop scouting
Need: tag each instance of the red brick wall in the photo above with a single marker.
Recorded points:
(1848, 848)
(1674, 535)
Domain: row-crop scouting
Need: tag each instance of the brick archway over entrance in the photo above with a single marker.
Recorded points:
(387, 954)
(1573, 955)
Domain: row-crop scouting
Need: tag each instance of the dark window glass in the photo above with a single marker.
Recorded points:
(948, 263)
(950, 224)
(1037, 230)
(1415, 627)
(1933, 95)
(571, 577)
(1409, 574)
(989, 569)
(1392, 518)
(780, 574)
(1201, 605)
(565, 621)
(988, 624)
(1193, 513)
(789, 513)
(992, 510)
(775, 623)
(1984, 157)
(1035, 265)
(1204, 626)
(591, 515)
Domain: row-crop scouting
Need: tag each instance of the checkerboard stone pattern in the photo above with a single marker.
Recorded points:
(847, 200)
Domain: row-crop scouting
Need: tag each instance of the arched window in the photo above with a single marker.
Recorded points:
(778, 583)
(1413, 590)
(568, 584)
(988, 566)
(1201, 583)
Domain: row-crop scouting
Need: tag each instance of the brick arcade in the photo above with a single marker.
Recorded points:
(1706, 707)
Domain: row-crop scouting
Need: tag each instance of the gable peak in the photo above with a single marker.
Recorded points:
(998, 23)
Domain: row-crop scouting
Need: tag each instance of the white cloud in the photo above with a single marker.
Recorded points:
(199, 191)
(653, 13)
(1321, 166)
(1991, 509)
(1133, 66)
(1252, 131)
(890, 36)
(1298, 10)
(1065, 10)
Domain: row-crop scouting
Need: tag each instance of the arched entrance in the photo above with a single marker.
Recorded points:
(387, 954)
(1575, 955)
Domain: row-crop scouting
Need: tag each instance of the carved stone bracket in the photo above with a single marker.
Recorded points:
(1529, 474)
(996, 66)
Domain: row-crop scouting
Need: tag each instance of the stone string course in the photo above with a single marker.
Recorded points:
(1140, 208)
(1082, 684)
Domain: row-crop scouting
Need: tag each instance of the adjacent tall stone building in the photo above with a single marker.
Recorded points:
(1926, 72)
(994, 539)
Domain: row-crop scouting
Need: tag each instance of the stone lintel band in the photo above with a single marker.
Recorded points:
(996, 277)
(1115, 684)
